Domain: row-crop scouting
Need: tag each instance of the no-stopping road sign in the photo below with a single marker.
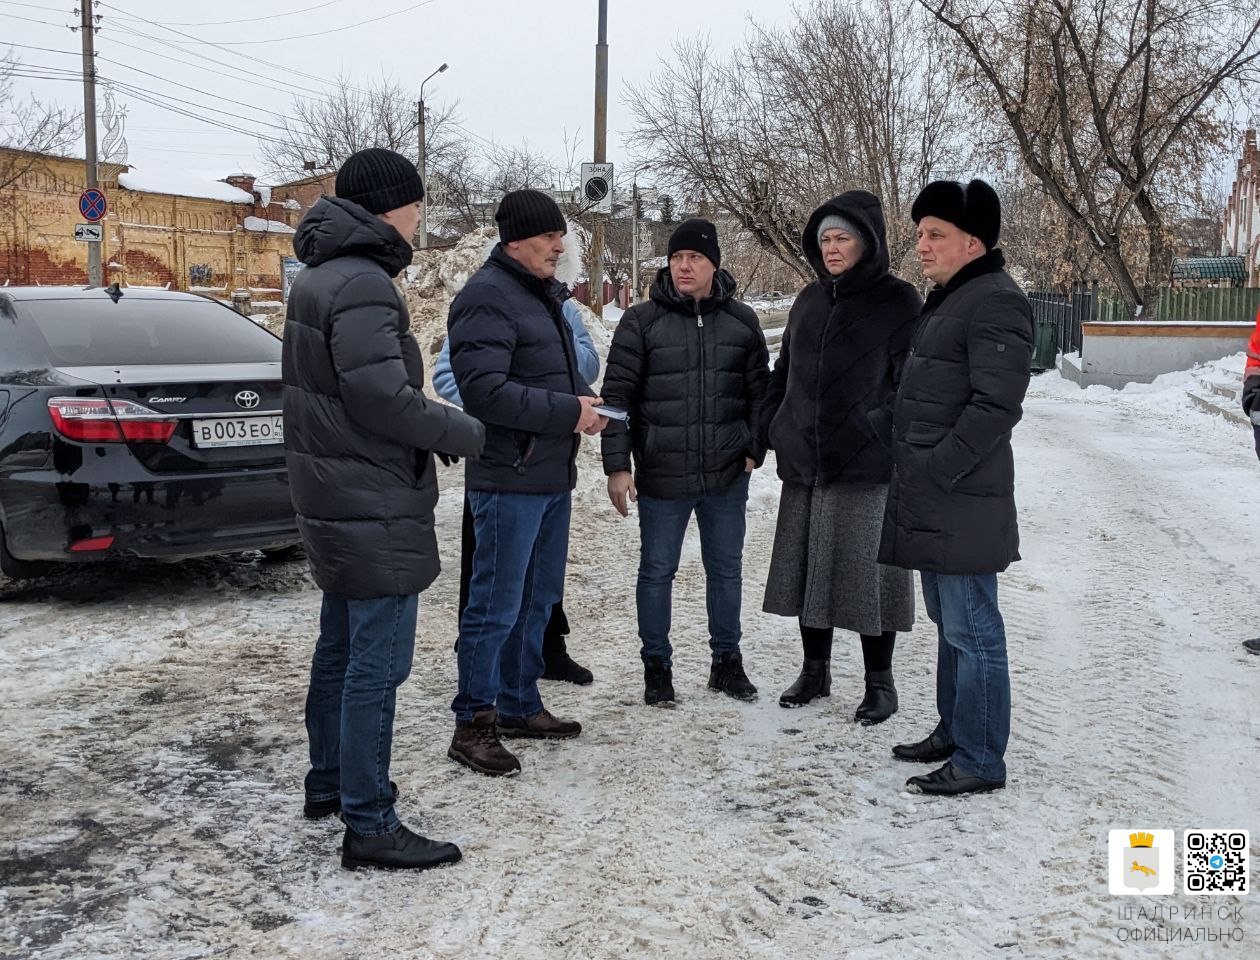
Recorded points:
(93, 205)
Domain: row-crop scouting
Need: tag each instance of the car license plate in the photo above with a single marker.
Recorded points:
(238, 431)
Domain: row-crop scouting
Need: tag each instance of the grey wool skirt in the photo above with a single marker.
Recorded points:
(823, 568)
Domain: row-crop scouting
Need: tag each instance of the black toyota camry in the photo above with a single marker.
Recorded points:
(136, 423)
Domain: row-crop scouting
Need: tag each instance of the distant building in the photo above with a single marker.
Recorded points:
(1240, 235)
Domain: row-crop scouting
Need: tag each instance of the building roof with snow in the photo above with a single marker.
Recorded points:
(155, 178)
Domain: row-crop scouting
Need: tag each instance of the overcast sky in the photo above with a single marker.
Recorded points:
(522, 70)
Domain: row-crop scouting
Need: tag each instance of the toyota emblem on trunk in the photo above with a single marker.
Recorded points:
(247, 399)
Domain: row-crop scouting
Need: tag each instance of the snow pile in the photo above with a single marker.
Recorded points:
(156, 178)
(272, 320)
(259, 225)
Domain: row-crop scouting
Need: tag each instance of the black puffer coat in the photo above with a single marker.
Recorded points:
(951, 505)
(828, 413)
(357, 428)
(513, 359)
(694, 380)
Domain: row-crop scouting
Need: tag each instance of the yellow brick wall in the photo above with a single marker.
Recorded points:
(151, 239)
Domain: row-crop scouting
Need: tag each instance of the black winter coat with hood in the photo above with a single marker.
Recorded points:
(358, 430)
(693, 378)
(951, 504)
(514, 363)
(828, 412)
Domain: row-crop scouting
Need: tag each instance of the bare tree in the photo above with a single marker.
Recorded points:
(30, 126)
(1113, 109)
(850, 96)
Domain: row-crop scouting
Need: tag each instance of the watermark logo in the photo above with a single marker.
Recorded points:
(1140, 861)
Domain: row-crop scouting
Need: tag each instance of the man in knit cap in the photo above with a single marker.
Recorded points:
(691, 366)
(515, 366)
(359, 442)
(951, 503)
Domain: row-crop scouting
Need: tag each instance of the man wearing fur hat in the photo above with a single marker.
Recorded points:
(516, 369)
(951, 503)
(691, 367)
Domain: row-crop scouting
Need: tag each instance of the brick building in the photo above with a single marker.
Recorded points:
(202, 235)
(1240, 235)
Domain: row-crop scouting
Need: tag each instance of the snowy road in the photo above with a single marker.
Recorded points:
(150, 771)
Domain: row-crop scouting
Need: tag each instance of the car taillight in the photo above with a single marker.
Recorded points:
(97, 420)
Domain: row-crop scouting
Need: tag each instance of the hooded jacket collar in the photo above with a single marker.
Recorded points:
(340, 228)
(865, 212)
(993, 261)
(666, 294)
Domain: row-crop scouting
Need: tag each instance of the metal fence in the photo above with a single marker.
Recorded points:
(1193, 304)
(1057, 319)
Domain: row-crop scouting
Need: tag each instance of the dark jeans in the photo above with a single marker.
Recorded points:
(362, 656)
(518, 575)
(662, 526)
(973, 689)
(557, 623)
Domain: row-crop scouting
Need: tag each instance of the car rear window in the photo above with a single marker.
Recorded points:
(83, 333)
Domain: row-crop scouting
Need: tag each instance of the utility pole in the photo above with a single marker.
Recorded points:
(87, 27)
(424, 203)
(601, 156)
(634, 239)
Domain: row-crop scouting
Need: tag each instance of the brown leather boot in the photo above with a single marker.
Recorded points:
(476, 745)
(541, 726)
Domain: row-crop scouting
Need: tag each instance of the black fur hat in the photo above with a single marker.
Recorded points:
(974, 208)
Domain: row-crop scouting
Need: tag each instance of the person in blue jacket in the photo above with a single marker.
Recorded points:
(557, 664)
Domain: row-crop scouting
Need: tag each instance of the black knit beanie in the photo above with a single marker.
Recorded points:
(379, 180)
(527, 213)
(698, 235)
(974, 208)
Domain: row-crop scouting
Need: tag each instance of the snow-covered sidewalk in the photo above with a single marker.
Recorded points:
(150, 773)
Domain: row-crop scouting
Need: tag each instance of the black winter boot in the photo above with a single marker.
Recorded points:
(658, 682)
(814, 681)
(558, 665)
(727, 676)
(880, 701)
(1252, 646)
(400, 849)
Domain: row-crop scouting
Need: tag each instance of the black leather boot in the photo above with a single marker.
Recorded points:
(727, 675)
(658, 682)
(814, 681)
(400, 849)
(880, 701)
(558, 665)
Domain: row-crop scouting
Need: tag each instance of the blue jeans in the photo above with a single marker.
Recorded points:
(361, 658)
(973, 689)
(662, 526)
(517, 576)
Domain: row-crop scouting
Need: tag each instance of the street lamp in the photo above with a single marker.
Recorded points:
(424, 203)
(634, 231)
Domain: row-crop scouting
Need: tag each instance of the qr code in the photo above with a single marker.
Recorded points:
(1216, 861)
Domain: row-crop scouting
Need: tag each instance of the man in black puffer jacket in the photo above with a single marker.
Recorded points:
(951, 504)
(691, 368)
(513, 358)
(358, 436)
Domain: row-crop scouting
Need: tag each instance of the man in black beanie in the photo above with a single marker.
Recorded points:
(951, 504)
(359, 442)
(692, 368)
(514, 362)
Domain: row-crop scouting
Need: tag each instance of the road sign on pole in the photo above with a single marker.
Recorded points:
(89, 232)
(93, 205)
(597, 181)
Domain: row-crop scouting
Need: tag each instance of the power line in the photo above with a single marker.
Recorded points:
(273, 16)
(302, 36)
(32, 6)
(132, 88)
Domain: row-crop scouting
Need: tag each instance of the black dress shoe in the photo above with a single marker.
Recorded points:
(400, 849)
(949, 781)
(318, 809)
(933, 749)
